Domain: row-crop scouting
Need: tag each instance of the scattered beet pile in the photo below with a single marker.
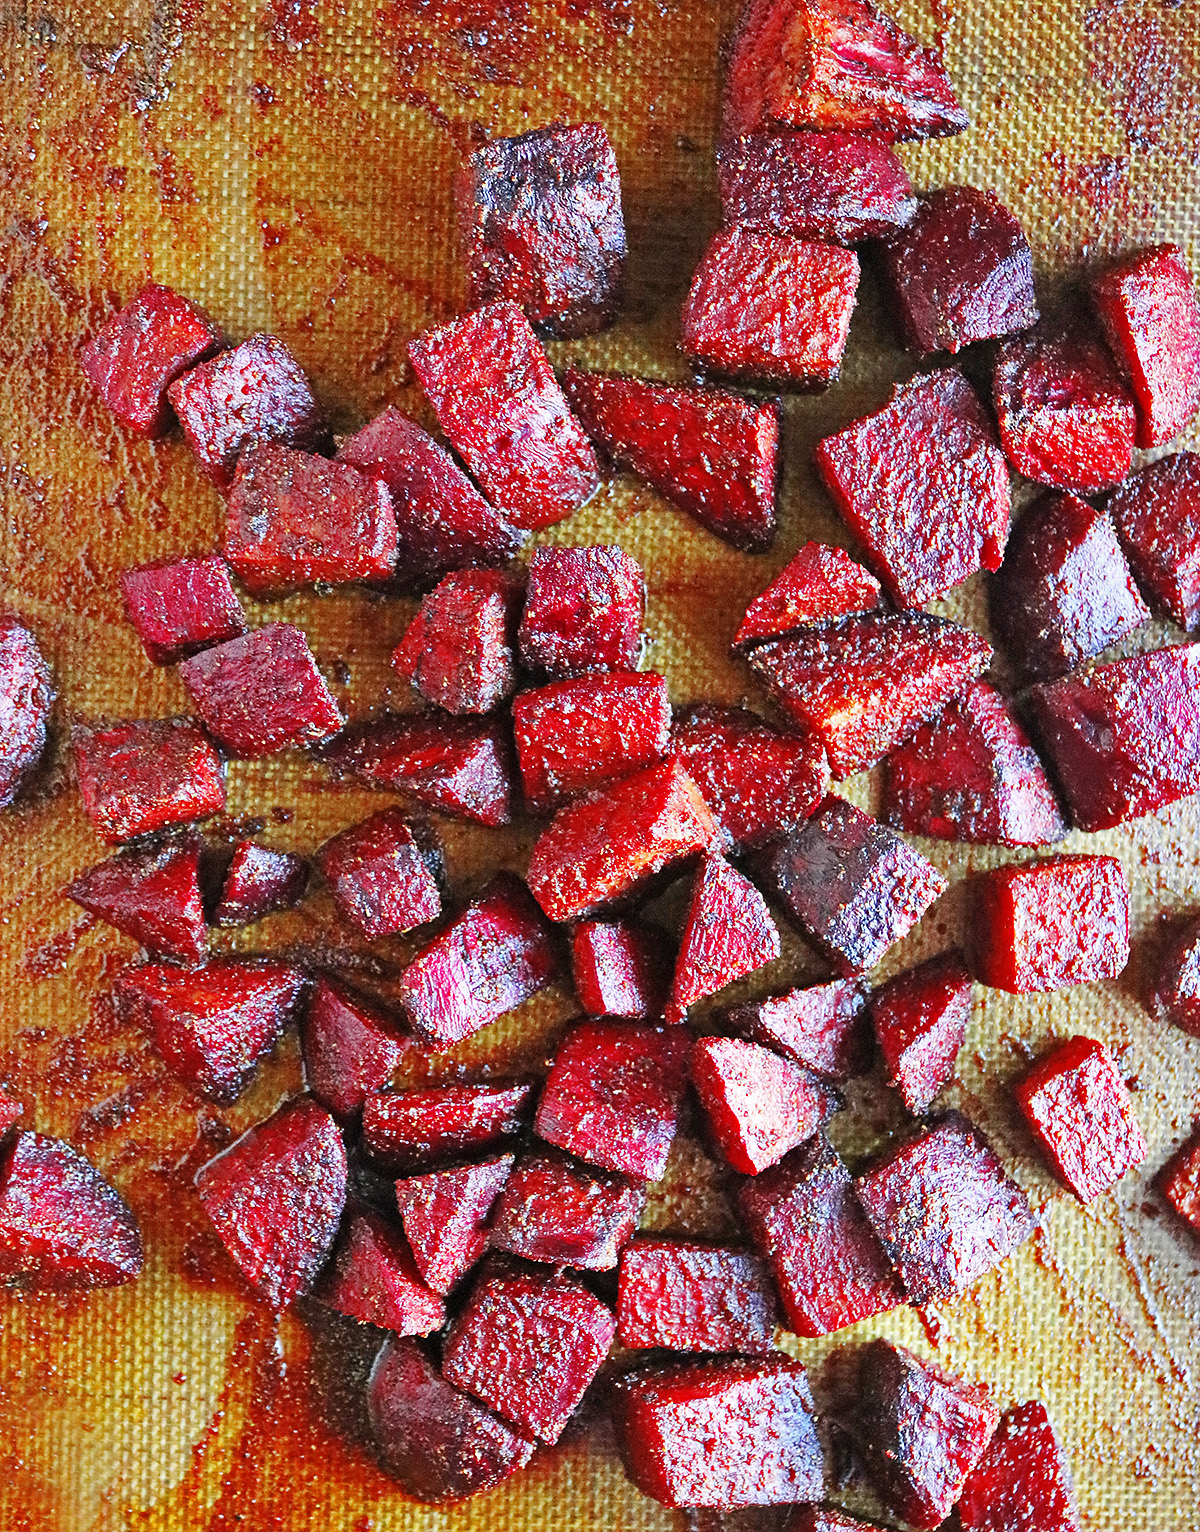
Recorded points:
(503, 1201)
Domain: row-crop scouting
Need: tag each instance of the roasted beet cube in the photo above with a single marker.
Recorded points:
(556, 1210)
(728, 934)
(262, 692)
(685, 1296)
(1148, 306)
(1022, 1481)
(142, 350)
(502, 410)
(759, 1104)
(724, 1433)
(180, 606)
(583, 611)
(412, 1129)
(259, 882)
(26, 694)
(1079, 1111)
(528, 1346)
(621, 968)
(803, 1217)
(1180, 1182)
(152, 895)
(822, 1027)
(382, 876)
(713, 454)
(374, 1278)
(851, 885)
(920, 1022)
(944, 1209)
(351, 1048)
(1157, 515)
(972, 775)
(820, 584)
(612, 1096)
(1044, 925)
(142, 776)
(1176, 995)
(767, 307)
(445, 1217)
(458, 649)
(540, 221)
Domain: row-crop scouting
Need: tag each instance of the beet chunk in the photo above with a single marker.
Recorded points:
(540, 221)
(1079, 1111)
(26, 695)
(528, 1346)
(583, 611)
(1176, 995)
(1022, 1481)
(152, 895)
(1179, 1181)
(728, 934)
(351, 1048)
(253, 394)
(374, 1278)
(759, 1105)
(722, 1433)
(180, 606)
(822, 1027)
(458, 649)
(445, 1217)
(382, 876)
(275, 1198)
(621, 968)
(412, 1129)
(555, 1210)
(501, 408)
(1157, 515)
(767, 307)
(818, 585)
(145, 775)
(262, 692)
(920, 1021)
(713, 454)
(686, 1296)
(944, 1209)
(259, 882)
(142, 350)
(972, 775)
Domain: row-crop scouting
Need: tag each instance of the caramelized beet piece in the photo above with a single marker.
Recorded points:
(1044, 925)
(728, 934)
(1180, 1182)
(351, 1048)
(713, 454)
(260, 882)
(374, 1278)
(767, 307)
(151, 895)
(1022, 1481)
(540, 221)
(944, 1209)
(686, 1296)
(445, 1217)
(621, 968)
(501, 408)
(822, 1027)
(382, 876)
(920, 1022)
(1176, 995)
(556, 1210)
(411, 1129)
(458, 649)
(758, 1103)
(1079, 1111)
(26, 695)
(583, 611)
(142, 776)
(1157, 515)
(179, 606)
(818, 585)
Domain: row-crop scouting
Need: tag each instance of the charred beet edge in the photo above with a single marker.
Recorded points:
(820, 584)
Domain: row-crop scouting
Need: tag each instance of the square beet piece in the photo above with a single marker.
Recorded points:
(383, 877)
(142, 776)
(458, 649)
(180, 606)
(583, 611)
(1157, 516)
(686, 1296)
(563, 1213)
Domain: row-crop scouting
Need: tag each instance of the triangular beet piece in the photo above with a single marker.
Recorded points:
(445, 1216)
(153, 896)
(259, 882)
(822, 1027)
(375, 1279)
(758, 1103)
(729, 933)
(351, 1048)
(920, 1021)
(818, 585)
(1022, 1480)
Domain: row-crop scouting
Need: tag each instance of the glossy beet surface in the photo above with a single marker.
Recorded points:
(822, 1027)
(1179, 1182)
(621, 968)
(445, 1216)
(458, 651)
(382, 875)
(26, 695)
(1022, 1481)
(373, 1277)
(758, 1104)
(1157, 516)
(142, 776)
(583, 611)
(686, 1296)
(259, 882)
(1176, 996)
(558, 1211)
(410, 1130)
(920, 1019)
(727, 934)
(351, 1048)
(818, 585)
(152, 895)
(181, 605)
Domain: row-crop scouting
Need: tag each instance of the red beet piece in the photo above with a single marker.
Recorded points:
(26, 695)
(1022, 1481)
(613, 1093)
(151, 895)
(275, 1198)
(180, 606)
(1157, 515)
(374, 1278)
(854, 888)
(409, 1130)
(432, 1437)
(1176, 995)
(351, 1048)
(767, 307)
(458, 649)
(445, 1217)
(11, 1112)
(725, 1433)
(212, 1024)
(837, 65)
(713, 454)
(1148, 305)
(443, 522)
(804, 1218)
(382, 876)
(1044, 925)
(496, 954)
(583, 611)
(818, 1518)
(601, 848)
(1079, 1111)
(259, 882)
(262, 692)
(501, 408)
(921, 1022)
(818, 585)
(686, 1296)
(142, 350)
(253, 394)
(728, 934)
(556, 1210)
(145, 775)
(756, 780)
(1180, 1182)
(621, 968)
(972, 775)
(944, 1209)
(759, 1104)
(822, 1027)
(923, 485)
(540, 221)
(529, 1346)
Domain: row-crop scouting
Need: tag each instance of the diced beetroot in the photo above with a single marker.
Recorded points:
(496, 954)
(445, 1217)
(501, 408)
(944, 1209)
(822, 1027)
(556, 1210)
(443, 522)
(1150, 311)
(1176, 996)
(259, 882)
(971, 774)
(262, 692)
(767, 307)
(180, 606)
(728, 934)
(212, 1024)
(686, 1296)
(864, 684)
(1022, 1481)
(412, 1129)
(142, 350)
(713, 454)
(151, 895)
(275, 1198)
(725, 1433)
(11, 1112)
(529, 1346)
(1079, 1111)
(819, 1518)
(804, 1218)
(458, 649)
(818, 585)
(351, 1048)
(621, 968)
(540, 221)
(852, 886)
(382, 876)
(253, 394)
(613, 1093)
(1043, 925)
(26, 695)
(1180, 1182)
(374, 1278)
(759, 1104)
(583, 611)
(920, 1022)
(1157, 515)
(142, 776)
